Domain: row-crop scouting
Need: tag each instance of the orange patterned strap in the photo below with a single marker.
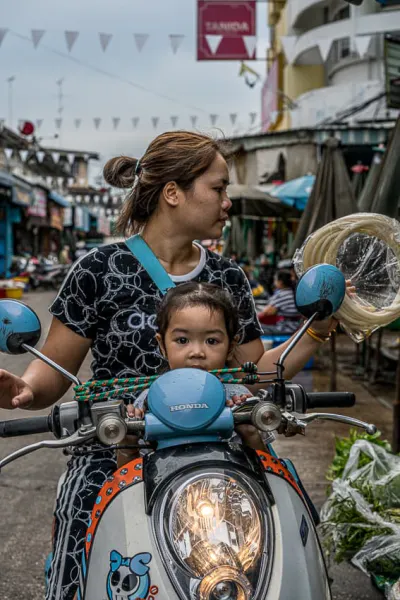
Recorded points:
(128, 475)
(276, 466)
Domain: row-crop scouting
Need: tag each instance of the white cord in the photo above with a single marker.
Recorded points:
(322, 247)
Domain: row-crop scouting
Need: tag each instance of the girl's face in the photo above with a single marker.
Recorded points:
(196, 337)
(204, 209)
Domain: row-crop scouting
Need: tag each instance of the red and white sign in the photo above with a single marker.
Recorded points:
(269, 97)
(226, 30)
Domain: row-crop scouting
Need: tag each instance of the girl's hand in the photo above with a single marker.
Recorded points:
(328, 325)
(14, 392)
(238, 400)
(134, 413)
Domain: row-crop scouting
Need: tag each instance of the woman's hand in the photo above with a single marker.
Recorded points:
(14, 392)
(328, 325)
(237, 400)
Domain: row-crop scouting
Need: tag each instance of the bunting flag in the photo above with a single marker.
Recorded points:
(97, 122)
(3, 33)
(87, 198)
(70, 38)
(155, 121)
(135, 122)
(71, 181)
(288, 44)
(193, 119)
(140, 40)
(324, 46)
(8, 152)
(174, 121)
(362, 44)
(86, 157)
(77, 123)
(55, 156)
(105, 39)
(213, 119)
(78, 199)
(60, 181)
(250, 42)
(58, 123)
(37, 35)
(24, 155)
(96, 199)
(253, 117)
(49, 180)
(40, 156)
(71, 158)
(213, 42)
(2, 121)
(116, 121)
(176, 41)
(233, 118)
(82, 181)
(105, 199)
(39, 123)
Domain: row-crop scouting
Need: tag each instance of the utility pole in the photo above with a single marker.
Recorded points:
(10, 82)
(60, 110)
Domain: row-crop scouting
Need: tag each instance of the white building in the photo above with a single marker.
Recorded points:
(334, 55)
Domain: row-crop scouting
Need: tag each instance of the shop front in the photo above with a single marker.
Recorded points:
(15, 199)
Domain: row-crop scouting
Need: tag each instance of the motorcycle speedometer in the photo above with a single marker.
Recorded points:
(214, 530)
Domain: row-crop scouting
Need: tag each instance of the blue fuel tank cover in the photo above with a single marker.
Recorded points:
(187, 399)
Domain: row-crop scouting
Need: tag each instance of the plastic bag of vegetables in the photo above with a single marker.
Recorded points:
(360, 521)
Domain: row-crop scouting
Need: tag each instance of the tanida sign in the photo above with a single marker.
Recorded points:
(226, 29)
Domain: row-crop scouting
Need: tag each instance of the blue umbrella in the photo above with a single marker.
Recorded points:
(296, 192)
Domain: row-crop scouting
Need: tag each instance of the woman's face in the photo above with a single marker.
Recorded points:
(204, 210)
(196, 337)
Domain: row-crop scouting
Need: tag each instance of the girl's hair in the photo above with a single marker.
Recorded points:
(198, 294)
(179, 156)
(285, 276)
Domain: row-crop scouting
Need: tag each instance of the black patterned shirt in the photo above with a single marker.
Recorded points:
(108, 296)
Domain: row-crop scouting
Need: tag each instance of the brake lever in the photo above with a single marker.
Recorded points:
(84, 434)
(308, 418)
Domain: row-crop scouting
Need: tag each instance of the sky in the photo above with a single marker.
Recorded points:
(120, 82)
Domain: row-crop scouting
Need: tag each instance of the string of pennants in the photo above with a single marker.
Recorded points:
(116, 122)
(71, 37)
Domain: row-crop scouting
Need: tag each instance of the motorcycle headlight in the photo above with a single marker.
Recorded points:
(212, 529)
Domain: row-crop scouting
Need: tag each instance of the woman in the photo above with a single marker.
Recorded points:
(108, 304)
(282, 306)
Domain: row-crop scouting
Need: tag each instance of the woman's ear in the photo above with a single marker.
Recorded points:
(171, 194)
(161, 345)
(233, 347)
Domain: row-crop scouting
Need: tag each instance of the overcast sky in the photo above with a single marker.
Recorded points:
(194, 88)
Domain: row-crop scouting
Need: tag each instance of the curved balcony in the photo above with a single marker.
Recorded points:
(295, 8)
(306, 50)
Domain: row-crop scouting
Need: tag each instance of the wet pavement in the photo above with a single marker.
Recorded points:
(28, 487)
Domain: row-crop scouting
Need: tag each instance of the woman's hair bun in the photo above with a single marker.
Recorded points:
(120, 171)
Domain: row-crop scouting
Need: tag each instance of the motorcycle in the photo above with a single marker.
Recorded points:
(200, 517)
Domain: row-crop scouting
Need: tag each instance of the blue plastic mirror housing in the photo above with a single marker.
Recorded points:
(19, 325)
(320, 290)
(187, 399)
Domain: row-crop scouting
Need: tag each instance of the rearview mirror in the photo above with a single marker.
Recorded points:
(19, 325)
(320, 290)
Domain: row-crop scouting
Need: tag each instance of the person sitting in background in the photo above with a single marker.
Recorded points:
(282, 306)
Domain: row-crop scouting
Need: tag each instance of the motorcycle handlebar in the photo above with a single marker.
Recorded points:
(330, 400)
(27, 426)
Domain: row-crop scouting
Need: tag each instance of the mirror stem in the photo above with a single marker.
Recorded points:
(280, 364)
(52, 364)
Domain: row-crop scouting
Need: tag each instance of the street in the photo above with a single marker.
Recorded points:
(28, 487)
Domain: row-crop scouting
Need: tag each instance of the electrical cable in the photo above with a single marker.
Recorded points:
(356, 314)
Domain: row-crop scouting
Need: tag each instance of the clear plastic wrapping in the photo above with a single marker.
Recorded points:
(360, 521)
(366, 248)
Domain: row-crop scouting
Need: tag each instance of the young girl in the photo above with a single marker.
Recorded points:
(197, 328)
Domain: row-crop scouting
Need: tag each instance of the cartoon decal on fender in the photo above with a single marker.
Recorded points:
(129, 578)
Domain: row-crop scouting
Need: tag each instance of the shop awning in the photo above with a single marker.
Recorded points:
(6, 180)
(58, 199)
(251, 201)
